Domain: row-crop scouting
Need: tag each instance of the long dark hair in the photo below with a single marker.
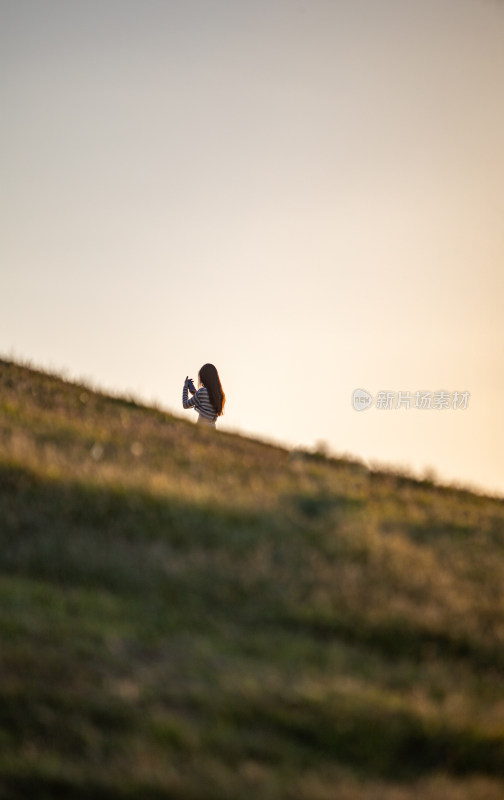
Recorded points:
(209, 377)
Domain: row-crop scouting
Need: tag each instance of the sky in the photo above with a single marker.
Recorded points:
(309, 195)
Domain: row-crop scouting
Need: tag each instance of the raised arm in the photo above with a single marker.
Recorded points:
(187, 403)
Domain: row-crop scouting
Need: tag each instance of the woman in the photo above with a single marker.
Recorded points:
(209, 400)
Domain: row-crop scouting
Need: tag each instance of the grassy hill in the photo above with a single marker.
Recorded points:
(188, 613)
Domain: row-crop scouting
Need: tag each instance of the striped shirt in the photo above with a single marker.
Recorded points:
(201, 402)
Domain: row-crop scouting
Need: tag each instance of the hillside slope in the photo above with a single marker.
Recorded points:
(188, 613)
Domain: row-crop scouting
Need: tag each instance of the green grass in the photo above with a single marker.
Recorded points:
(188, 613)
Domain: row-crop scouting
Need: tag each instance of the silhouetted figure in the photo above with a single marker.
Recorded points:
(209, 399)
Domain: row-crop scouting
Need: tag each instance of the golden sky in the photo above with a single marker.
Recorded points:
(307, 194)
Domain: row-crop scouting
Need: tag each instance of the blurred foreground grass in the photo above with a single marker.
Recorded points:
(188, 613)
